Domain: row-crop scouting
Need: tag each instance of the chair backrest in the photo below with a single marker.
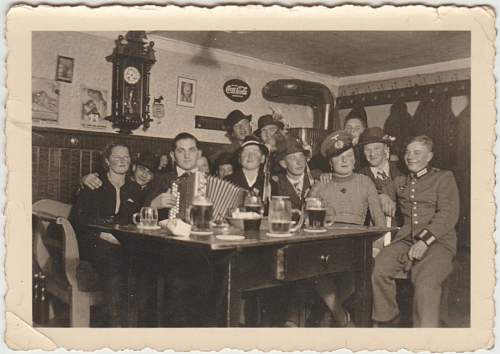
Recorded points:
(52, 207)
(46, 213)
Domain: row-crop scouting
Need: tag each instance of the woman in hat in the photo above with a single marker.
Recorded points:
(252, 155)
(348, 197)
(238, 127)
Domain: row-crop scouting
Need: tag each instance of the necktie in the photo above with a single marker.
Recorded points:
(298, 188)
(382, 175)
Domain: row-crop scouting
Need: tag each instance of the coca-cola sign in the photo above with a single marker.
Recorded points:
(237, 90)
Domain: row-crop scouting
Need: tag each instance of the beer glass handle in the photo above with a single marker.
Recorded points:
(300, 222)
(134, 218)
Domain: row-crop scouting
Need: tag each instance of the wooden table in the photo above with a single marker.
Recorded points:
(260, 261)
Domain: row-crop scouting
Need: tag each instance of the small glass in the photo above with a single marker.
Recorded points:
(148, 217)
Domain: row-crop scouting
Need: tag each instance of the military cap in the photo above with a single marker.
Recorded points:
(336, 143)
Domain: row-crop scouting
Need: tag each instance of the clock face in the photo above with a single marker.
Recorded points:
(131, 75)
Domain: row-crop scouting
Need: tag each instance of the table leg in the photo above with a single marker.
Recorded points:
(228, 294)
(363, 297)
(132, 313)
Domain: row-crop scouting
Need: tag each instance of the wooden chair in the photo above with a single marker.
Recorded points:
(63, 286)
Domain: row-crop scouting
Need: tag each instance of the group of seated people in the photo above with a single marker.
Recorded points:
(361, 185)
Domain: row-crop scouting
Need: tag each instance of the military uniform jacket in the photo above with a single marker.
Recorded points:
(280, 185)
(429, 203)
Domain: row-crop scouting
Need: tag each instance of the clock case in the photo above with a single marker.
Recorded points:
(130, 102)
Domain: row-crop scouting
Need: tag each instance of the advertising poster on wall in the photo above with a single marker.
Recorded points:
(45, 100)
(94, 107)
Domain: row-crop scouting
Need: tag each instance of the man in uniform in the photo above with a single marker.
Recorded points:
(426, 243)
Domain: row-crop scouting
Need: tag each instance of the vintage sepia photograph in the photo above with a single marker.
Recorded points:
(338, 195)
(186, 92)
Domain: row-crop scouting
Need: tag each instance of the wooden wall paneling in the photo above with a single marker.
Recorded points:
(43, 172)
(60, 157)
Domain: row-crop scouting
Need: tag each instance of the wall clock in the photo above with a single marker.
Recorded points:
(132, 59)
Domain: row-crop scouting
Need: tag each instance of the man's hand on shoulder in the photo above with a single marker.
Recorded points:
(91, 181)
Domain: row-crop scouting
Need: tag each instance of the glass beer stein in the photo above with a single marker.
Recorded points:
(201, 214)
(148, 218)
(315, 214)
(280, 216)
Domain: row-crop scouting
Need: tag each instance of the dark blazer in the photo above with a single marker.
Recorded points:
(280, 185)
(239, 179)
(387, 186)
(160, 184)
(99, 205)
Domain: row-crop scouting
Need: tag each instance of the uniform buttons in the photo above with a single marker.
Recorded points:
(412, 182)
(414, 208)
(415, 222)
(412, 196)
(415, 215)
(414, 203)
(413, 190)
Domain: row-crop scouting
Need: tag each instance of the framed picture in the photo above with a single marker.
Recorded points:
(45, 100)
(64, 70)
(94, 107)
(186, 92)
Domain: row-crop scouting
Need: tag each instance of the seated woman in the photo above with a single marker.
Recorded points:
(252, 155)
(118, 198)
(348, 197)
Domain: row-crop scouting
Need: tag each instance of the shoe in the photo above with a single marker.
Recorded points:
(347, 322)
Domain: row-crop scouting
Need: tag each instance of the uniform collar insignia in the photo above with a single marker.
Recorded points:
(421, 173)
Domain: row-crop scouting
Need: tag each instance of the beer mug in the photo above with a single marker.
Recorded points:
(201, 214)
(280, 216)
(148, 217)
(315, 214)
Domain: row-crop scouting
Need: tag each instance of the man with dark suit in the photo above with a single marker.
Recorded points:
(375, 145)
(295, 182)
(426, 243)
(187, 283)
(185, 155)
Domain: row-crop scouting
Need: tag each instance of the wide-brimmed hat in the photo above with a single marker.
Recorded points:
(375, 135)
(234, 117)
(266, 120)
(253, 140)
(336, 143)
(148, 160)
(290, 145)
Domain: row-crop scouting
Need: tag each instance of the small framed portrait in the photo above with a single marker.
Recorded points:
(65, 66)
(186, 92)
